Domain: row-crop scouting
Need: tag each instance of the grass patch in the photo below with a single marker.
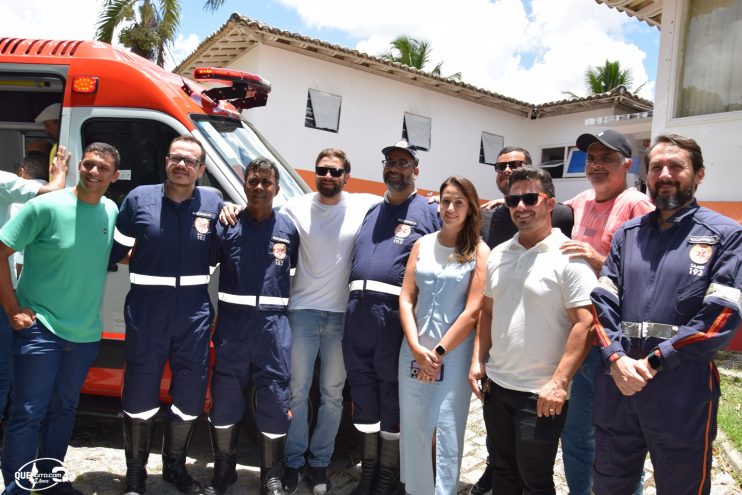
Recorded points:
(730, 409)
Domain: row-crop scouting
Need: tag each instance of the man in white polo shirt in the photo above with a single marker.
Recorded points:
(535, 328)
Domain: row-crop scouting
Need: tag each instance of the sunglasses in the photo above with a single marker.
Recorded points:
(529, 199)
(513, 164)
(335, 172)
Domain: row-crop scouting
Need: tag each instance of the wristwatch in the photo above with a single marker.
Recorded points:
(655, 361)
(440, 350)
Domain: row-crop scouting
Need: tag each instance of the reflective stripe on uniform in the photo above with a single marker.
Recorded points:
(253, 300)
(122, 239)
(195, 279)
(645, 329)
(139, 279)
(375, 286)
(729, 294)
(607, 284)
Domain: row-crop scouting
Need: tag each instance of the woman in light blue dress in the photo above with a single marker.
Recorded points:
(439, 306)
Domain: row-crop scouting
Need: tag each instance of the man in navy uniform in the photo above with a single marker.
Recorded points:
(373, 333)
(668, 298)
(256, 256)
(168, 229)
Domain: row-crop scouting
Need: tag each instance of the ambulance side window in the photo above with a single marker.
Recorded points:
(142, 145)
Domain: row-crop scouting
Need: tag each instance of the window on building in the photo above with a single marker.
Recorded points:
(711, 84)
(416, 130)
(563, 161)
(323, 111)
(489, 146)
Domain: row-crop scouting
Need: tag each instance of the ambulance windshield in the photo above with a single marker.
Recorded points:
(238, 144)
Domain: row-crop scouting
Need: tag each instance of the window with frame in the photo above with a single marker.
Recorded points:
(711, 84)
(323, 111)
(489, 147)
(416, 130)
(563, 161)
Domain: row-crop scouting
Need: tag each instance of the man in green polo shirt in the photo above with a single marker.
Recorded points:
(55, 312)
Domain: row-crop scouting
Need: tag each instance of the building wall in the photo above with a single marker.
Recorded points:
(371, 117)
(720, 135)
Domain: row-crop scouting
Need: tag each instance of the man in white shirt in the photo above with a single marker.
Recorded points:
(14, 189)
(535, 328)
(328, 222)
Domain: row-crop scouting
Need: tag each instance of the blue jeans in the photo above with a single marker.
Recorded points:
(578, 435)
(6, 360)
(49, 372)
(315, 332)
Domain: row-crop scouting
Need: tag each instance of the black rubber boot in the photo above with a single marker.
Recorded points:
(224, 445)
(389, 469)
(271, 454)
(369, 463)
(175, 443)
(137, 438)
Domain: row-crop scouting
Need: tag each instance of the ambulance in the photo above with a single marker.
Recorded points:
(110, 95)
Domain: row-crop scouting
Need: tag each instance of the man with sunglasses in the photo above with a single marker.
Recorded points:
(167, 231)
(498, 227)
(599, 212)
(373, 333)
(532, 335)
(328, 223)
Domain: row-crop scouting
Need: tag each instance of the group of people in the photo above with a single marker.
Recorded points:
(595, 322)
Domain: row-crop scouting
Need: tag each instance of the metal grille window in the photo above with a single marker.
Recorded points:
(489, 147)
(323, 111)
(416, 130)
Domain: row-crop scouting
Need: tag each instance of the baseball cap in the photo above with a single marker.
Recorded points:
(402, 145)
(52, 112)
(609, 138)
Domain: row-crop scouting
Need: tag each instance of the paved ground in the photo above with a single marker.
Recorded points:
(96, 460)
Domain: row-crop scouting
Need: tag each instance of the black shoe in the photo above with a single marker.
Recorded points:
(320, 481)
(175, 442)
(291, 479)
(64, 488)
(484, 485)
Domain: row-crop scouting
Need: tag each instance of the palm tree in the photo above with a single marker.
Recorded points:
(610, 76)
(414, 53)
(153, 29)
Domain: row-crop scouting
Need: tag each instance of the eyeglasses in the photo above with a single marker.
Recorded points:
(529, 199)
(176, 159)
(396, 163)
(513, 164)
(335, 172)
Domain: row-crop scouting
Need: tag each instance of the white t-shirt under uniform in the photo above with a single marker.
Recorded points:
(328, 234)
(531, 290)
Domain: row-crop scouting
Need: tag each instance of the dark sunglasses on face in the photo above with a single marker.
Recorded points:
(513, 164)
(529, 199)
(335, 172)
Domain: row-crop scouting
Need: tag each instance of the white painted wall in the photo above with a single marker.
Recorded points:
(371, 118)
(720, 135)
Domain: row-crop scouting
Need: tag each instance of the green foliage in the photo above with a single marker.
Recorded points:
(606, 78)
(414, 53)
(152, 28)
(730, 409)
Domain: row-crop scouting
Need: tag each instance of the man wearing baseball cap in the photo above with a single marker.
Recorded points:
(49, 118)
(598, 213)
(373, 333)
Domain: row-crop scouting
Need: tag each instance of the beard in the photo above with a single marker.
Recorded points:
(673, 201)
(329, 189)
(398, 184)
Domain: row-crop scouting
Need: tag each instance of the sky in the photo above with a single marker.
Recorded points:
(532, 50)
